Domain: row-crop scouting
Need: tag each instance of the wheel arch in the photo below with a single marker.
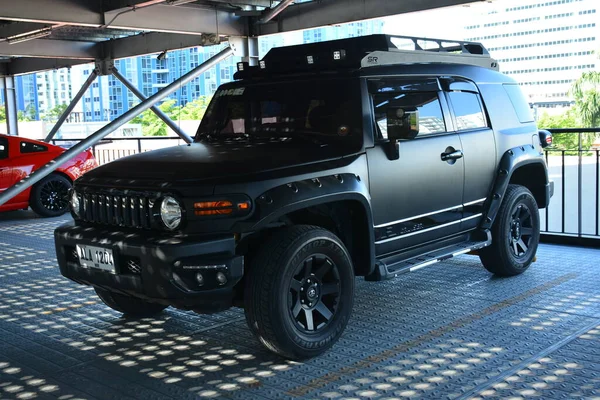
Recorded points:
(523, 166)
(338, 203)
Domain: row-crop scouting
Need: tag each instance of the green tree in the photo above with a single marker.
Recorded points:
(22, 116)
(154, 126)
(194, 110)
(586, 93)
(2, 113)
(568, 119)
(54, 113)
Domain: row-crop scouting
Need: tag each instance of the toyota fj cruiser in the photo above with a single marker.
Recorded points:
(355, 157)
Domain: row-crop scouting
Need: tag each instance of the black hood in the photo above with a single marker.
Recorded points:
(217, 161)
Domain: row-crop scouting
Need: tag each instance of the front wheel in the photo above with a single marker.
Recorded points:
(299, 292)
(515, 234)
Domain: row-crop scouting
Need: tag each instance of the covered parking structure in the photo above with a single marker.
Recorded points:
(447, 331)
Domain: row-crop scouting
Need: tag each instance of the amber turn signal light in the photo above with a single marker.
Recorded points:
(221, 207)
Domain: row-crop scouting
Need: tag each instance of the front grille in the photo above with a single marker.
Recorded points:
(131, 210)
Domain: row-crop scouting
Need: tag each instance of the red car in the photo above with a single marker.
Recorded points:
(50, 196)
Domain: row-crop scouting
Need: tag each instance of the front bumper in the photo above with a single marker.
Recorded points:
(155, 268)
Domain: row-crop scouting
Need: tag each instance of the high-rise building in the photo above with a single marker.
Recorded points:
(545, 45)
(53, 88)
(94, 105)
(150, 74)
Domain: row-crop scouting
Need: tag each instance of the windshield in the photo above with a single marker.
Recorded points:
(322, 111)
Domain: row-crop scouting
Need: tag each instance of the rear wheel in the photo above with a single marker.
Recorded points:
(50, 196)
(299, 292)
(515, 234)
(130, 306)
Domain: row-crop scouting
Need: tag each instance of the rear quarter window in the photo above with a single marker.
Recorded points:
(28, 147)
(519, 102)
(3, 148)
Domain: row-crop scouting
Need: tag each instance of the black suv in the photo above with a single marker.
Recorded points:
(355, 157)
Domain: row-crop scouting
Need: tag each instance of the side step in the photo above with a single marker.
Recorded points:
(388, 268)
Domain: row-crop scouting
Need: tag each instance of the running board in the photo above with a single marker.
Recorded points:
(388, 268)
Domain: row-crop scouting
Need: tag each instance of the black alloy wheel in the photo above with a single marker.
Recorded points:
(55, 195)
(50, 196)
(314, 293)
(299, 291)
(521, 230)
(515, 234)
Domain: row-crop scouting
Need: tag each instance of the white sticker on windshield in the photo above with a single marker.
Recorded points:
(230, 92)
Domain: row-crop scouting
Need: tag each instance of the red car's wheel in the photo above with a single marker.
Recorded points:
(50, 196)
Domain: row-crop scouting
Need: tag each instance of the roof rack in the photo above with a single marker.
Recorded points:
(365, 52)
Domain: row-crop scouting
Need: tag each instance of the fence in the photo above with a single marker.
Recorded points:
(573, 211)
(574, 167)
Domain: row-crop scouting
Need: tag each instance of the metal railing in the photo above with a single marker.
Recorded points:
(573, 211)
(112, 149)
(574, 166)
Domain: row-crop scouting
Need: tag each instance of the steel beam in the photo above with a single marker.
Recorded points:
(148, 43)
(70, 12)
(330, 12)
(27, 65)
(43, 48)
(155, 109)
(10, 104)
(188, 19)
(94, 138)
(88, 82)
(275, 11)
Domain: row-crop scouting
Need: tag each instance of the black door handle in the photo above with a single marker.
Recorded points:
(452, 155)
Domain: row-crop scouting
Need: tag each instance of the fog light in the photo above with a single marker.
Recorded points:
(199, 279)
(221, 278)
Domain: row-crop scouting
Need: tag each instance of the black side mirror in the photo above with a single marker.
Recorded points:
(402, 124)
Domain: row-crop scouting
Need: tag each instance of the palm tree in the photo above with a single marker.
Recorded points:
(586, 93)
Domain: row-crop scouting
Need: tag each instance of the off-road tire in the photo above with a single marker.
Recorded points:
(130, 306)
(53, 185)
(268, 291)
(500, 257)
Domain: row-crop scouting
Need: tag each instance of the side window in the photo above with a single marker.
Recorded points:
(431, 119)
(467, 110)
(28, 147)
(3, 148)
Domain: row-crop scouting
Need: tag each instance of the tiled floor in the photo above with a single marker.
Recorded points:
(448, 331)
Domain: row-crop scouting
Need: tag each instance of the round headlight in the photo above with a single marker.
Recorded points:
(170, 212)
(75, 205)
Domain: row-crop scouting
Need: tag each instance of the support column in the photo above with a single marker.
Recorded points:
(72, 105)
(94, 138)
(10, 104)
(155, 109)
(250, 50)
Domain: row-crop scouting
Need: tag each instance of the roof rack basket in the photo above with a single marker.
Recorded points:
(365, 52)
(411, 49)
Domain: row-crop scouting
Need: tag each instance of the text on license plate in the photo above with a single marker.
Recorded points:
(96, 257)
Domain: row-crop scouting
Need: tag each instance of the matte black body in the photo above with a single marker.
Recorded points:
(397, 208)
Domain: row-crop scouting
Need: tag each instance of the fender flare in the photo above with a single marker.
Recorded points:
(512, 160)
(298, 195)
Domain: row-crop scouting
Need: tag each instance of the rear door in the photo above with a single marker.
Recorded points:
(478, 143)
(418, 197)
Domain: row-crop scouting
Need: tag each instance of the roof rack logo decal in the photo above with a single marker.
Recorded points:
(372, 60)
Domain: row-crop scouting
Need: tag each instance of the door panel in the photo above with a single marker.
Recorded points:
(480, 157)
(418, 197)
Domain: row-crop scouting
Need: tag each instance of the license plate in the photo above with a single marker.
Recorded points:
(96, 257)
